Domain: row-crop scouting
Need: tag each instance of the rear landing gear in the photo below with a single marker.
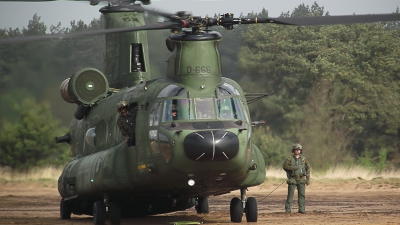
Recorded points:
(248, 206)
(202, 205)
(99, 213)
(104, 208)
(115, 213)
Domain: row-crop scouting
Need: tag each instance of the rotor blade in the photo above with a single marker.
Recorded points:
(172, 16)
(155, 12)
(158, 26)
(27, 0)
(325, 20)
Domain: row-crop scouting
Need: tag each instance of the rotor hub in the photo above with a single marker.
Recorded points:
(198, 35)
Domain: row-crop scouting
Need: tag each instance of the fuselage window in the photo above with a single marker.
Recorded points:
(90, 138)
(165, 146)
(106, 133)
(154, 114)
(153, 136)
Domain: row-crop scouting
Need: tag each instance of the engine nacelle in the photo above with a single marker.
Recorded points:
(86, 87)
(64, 91)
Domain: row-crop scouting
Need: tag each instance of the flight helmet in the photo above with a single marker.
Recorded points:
(121, 105)
(297, 146)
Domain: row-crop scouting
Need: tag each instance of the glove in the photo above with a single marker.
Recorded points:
(308, 182)
(126, 141)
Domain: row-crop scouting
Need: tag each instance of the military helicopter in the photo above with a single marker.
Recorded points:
(177, 162)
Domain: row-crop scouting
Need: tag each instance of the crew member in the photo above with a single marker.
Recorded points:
(127, 122)
(298, 173)
(174, 114)
(226, 112)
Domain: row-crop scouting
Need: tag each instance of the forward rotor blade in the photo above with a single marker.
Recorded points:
(27, 0)
(158, 26)
(157, 12)
(326, 20)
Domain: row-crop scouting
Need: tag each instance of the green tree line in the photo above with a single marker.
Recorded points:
(335, 89)
(332, 88)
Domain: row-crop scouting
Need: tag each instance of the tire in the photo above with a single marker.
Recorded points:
(115, 213)
(65, 210)
(202, 205)
(236, 210)
(251, 210)
(99, 213)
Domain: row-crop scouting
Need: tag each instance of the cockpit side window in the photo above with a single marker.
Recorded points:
(167, 110)
(177, 109)
(229, 108)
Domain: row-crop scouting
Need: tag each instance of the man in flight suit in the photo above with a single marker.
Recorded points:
(127, 122)
(298, 173)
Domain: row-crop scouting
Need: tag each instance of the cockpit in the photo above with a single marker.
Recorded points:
(178, 106)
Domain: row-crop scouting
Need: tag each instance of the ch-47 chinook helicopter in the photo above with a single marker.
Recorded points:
(176, 163)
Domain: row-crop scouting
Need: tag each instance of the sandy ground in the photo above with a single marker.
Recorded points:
(328, 202)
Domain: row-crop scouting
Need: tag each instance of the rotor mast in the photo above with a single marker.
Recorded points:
(196, 60)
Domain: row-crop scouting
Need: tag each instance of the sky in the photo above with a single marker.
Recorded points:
(18, 14)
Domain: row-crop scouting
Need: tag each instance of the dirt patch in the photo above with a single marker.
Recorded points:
(354, 201)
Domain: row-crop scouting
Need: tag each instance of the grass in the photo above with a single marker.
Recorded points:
(51, 174)
(340, 172)
(47, 174)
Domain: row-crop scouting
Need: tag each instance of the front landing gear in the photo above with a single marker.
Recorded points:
(248, 206)
(251, 210)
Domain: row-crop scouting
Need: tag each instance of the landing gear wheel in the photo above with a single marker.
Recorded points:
(99, 213)
(202, 205)
(65, 210)
(115, 213)
(251, 210)
(236, 209)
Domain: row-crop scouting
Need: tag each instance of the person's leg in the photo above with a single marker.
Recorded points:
(289, 200)
(301, 189)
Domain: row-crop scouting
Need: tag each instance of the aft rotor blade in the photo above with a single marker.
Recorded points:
(158, 26)
(324, 20)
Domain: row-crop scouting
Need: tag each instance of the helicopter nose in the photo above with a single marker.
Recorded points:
(209, 146)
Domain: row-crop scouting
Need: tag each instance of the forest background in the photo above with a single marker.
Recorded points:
(334, 89)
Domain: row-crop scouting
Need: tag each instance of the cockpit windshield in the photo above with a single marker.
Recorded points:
(203, 108)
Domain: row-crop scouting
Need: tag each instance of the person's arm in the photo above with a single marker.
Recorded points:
(287, 166)
(121, 128)
(308, 171)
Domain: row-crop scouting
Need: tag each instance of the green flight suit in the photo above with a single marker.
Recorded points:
(298, 174)
(127, 126)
